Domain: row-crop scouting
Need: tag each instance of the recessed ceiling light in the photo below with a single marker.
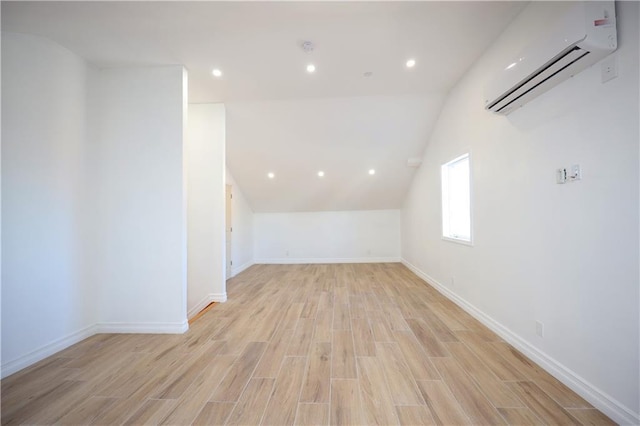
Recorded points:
(368, 74)
(311, 68)
(216, 72)
(411, 63)
(270, 175)
(372, 172)
(320, 173)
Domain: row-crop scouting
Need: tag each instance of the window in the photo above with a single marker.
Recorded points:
(456, 200)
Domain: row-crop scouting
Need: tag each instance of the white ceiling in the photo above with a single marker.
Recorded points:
(344, 137)
(335, 118)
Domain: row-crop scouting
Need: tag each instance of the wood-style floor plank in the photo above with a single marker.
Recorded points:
(363, 342)
(236, 379)
(412, 415)
(119, 411)
(357, 308)
(315, 387)
(302, 337)
(324, 325)
(269, 364)
(150, 412)
(498, 365)
(86, 412)
(541, 404)
(394, 316)
(312, 415)
(495, 390)
(286, 393)
(187, 407)
(214, 413)
(252, 403)
(476, 405)
(420, 365)
(519, 416)
(46, 408)
(401, 382)
(305, 344)
(343, 359)
(444, 407)
(185, 375)
(27, 388)
(377, 403)
(345, 402)
(341, 317)
(430, 343)
(381, 330)
(590, 417)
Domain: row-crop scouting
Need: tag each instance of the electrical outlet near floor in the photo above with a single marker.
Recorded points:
(453, 282)
(539, 329)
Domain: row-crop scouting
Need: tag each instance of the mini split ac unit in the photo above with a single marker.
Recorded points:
(585, 35)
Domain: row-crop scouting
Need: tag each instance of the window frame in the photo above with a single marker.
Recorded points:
(469, 242)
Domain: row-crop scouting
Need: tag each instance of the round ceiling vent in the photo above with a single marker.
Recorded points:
(307, 46)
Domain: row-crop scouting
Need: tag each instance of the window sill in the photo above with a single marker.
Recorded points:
(458, 241)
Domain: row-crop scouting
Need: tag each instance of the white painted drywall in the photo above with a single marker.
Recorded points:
(242, 224)
(565, 255)
(46, 300)
(317, 237)
(206, 205)
(139, 214)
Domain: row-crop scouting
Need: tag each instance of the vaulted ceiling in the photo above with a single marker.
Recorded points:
(280, 118)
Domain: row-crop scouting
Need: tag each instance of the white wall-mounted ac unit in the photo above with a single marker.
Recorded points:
(585, 35)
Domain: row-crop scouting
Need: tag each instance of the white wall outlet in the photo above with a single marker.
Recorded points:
(575, 173)
(453, 282)
(561, 176)
(286, 252)
(368, 252)
(539, 329)
(609, 68)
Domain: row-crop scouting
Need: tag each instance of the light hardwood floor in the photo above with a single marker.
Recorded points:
(302, 344)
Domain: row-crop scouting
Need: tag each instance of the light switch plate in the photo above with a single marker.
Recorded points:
(575, 173)
(561, 176)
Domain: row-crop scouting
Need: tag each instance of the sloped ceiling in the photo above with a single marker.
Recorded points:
(343, 137)
(281, 118)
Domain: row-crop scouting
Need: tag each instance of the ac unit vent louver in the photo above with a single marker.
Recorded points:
(586, 34)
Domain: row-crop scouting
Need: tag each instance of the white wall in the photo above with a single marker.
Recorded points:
(317, 237)
(242, 223)
(94, 210)
(206, 205)
(565, 255)
(139, 215)
(47, 303)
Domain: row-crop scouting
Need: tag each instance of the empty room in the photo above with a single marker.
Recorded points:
(320, 213)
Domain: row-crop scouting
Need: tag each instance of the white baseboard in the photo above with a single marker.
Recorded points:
(211, 297)
(601, 400)
(199, 306)
(325, 260)
(41, 353)
(143, 327)
(49, 349)
(237, 269)
(218, 297)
